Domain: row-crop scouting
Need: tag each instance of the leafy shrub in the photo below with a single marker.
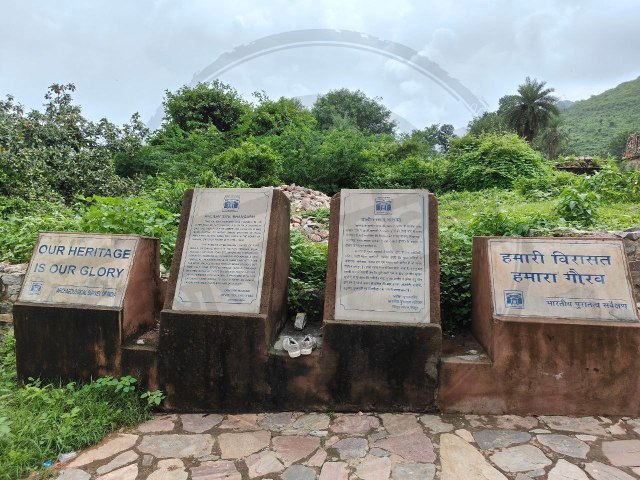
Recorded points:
(307, 276)
(254, 164)
(39, 422)
(410, 172)
(455, 279)
(612, 185)
(579, 207)
(131, 215)
(21, 222)
(546, 186)
(493, 160)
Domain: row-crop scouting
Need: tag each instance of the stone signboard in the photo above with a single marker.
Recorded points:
(546, 277)
(383, 264)
(222, 264)
(79, 269)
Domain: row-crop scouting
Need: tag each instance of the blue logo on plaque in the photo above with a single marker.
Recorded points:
(383, 206)
(35, 288)
(231, 203)
(514, 299)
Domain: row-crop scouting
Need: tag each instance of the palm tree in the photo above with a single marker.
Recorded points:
(531, 110)
(552, 140)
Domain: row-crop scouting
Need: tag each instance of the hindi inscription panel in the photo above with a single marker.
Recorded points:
(224, 251)
(383, 264)
(79, 269)
(581, 279)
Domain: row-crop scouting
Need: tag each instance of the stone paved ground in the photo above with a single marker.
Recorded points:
(299, 446)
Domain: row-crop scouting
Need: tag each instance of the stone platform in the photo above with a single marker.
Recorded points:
(308, 446)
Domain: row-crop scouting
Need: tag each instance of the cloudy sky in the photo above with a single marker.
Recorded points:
(427, 60)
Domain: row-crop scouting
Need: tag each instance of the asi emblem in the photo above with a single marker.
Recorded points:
(231, 203)
(382, 206)
(514, 299)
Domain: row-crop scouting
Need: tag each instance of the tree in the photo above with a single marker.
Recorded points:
(273, 116)
(355, 108)
(488, 122)
(618, 144)
(213, 103)
(531, 110)
(553, 140)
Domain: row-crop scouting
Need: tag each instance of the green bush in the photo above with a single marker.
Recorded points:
(579, 207)
(131, 215)
(455, 279)
(545, 186)
(410, 172)
(39, 422)
(254, 164)
(493, 160)
(307, 276)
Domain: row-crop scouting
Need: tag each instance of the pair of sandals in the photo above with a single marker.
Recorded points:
(295, 348)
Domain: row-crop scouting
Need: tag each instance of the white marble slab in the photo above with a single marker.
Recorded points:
(79, 269)
(568, 278)
(222, 263)
(383, 263)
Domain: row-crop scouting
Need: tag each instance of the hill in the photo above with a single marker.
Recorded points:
(593, 123)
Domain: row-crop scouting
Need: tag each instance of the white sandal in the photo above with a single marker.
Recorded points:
(291, 346)
(307, 345)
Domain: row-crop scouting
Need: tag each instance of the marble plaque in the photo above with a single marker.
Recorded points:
(224, 251)
(383, 264)
(586, 279)
(79, 269)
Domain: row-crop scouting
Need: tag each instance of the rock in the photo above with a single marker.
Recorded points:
(465, 435)
(488, 439)
(74, 474)
(566, 471)
(515, 422)
(164, 423)
(317, 459)
(413, 447)
(413, 471)
(353, 424)
(460, 461)
(147, 460)
(588, 425)
(222, 469)
(319, 433)
(564, 445)
(200, 423)
(435, 424)
(351, 448)
(400, 423)
(523, 476)
(617, 429)
(520, 459)
(374, 468)
(172, 469)
(600, 471)
(540, 430)
(123, 459)
(292, 448)
(241, 422)
(312, 421)
(12, 279)
(126, 473)
(263, 463)
(622, 453)
(334, 471)
(586, 438)
(239, 445)
(379, 452)
(176, 446)
(106, 449)
(299, 472)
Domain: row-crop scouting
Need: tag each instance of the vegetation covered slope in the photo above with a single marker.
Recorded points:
(593, 123)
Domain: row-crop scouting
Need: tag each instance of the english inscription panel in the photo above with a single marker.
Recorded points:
(383, 264)
(584, 279)
(224, 251)
(79, 269)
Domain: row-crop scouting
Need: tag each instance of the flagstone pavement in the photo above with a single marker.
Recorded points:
(308, 446)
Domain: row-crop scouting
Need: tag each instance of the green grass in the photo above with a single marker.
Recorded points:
(39, 422)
